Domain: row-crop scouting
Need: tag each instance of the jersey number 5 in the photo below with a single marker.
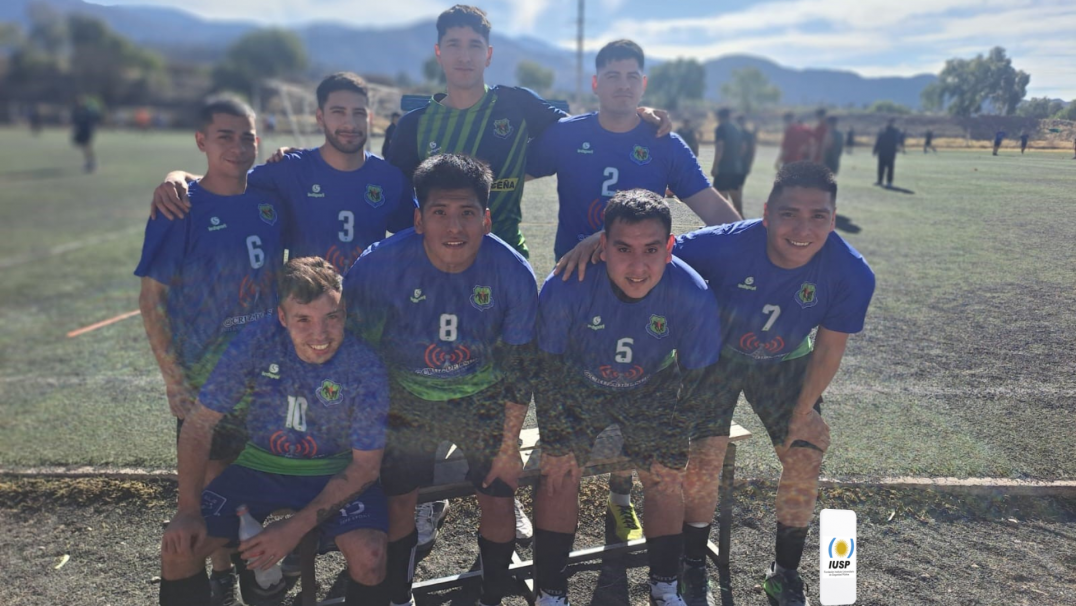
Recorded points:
(623, 350)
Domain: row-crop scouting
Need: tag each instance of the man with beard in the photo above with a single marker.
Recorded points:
(339, 198)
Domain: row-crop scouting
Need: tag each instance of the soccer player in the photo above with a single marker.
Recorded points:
(750, 143)
(1023, 142)
(820, 140)
(339, 198)
(850, 141)
(491, 124)
(728, 170)
(776, 279)
(998, 138)
(834, 147)
(631, 344)
(451, 309)
(84, 118)
(885, 147)
(690, 136)
(206, 276)
(386, 145)
(928, 142)
(796, 142)
(317, 414)
(595, 155)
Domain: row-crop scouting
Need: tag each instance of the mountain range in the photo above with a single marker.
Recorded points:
(182, 36)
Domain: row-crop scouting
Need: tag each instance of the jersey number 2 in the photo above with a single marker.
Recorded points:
(612, 175)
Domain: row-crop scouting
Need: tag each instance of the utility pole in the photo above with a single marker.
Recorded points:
(579, 56)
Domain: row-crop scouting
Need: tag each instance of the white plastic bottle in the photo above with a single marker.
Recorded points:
(248, 529)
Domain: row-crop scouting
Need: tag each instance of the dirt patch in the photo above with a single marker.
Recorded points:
(917, 547)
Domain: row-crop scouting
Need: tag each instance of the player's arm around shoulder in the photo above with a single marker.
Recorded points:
(170, 197)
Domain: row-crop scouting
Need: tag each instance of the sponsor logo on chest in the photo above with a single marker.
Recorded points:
(315, 192)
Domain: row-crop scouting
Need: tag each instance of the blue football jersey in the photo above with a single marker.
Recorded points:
(592, 164)
(768, 312)
(300, 410)
(435, 330)
(219, 263)
(619, 345)
(336, 214)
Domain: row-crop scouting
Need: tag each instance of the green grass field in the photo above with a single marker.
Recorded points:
(965, 367)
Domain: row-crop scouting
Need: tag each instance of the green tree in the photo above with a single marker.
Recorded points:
(965, 85)
(534, 76)
(749, 89)
(431, 69)
(263, 53)
(1067, 113)
(1039, 108)
(107, 65)
(886, 106)
(676, 81)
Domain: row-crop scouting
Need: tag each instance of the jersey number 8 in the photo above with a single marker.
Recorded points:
(448, 330)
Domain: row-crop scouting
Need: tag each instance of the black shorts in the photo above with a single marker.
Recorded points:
(229, 436)
(417, 427)
(770, 389)
(729, 181)
(650, 421)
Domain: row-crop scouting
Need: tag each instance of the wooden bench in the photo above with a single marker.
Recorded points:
(450, 483)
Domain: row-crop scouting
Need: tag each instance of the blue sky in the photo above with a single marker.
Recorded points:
(872, 37)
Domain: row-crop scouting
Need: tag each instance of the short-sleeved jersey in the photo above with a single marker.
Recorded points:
(767, 312)
(796, 143)
(495, 130)
(300, 410)
(336, 214)
(436, 330)
(592, 164)
(219, 263)
(617, 345)
(731, 162)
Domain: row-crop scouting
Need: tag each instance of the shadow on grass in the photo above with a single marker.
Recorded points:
(38, 174)
(846, 225)
(899, 190)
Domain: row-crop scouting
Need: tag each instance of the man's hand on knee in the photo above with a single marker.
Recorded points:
(808, 427)
(271, 545)
(555, 470)
(185, 535)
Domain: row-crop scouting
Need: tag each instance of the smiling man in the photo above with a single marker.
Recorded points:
(632, 344)
(318, 405)
(777, 279)
(339, 198)
(451, 309)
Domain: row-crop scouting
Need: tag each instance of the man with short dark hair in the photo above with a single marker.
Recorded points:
(451, 309)
(316, 418)
(777, 279)
(631, 344)
(207, 275)
(339, 198)
(84, 118)
(750, 145)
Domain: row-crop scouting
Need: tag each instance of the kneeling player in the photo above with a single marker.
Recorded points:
(451, 309)
(777, 279)
(317, 430)
(630, 344)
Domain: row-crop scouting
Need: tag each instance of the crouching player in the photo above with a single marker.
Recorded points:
(777, 279)
(451, 309)
(316, 420)
(631, 344)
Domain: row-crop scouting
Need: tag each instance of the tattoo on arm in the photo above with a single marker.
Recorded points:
(328, 512)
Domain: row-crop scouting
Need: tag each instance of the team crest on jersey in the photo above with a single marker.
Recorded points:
(502, 128)
(329, 392)
(375, 195)
(806, 296)
(482, 298)
(640, 155)
(267, 213)
(658, 327)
